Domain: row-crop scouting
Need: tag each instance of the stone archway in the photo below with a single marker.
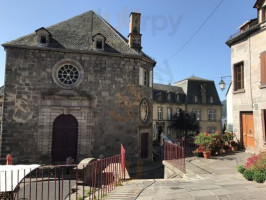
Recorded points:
(64, 138)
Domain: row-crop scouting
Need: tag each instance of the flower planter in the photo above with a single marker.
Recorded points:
(207, 154)
(234, 148)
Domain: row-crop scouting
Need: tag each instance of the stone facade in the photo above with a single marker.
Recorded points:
(248, 47)
(182, 96)
(105, 100)
(1, 104)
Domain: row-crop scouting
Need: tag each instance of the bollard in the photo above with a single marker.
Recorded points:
(8, 159)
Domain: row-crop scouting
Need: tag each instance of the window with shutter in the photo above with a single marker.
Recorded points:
(211, 115)
(169, 113)
(160, 113)
(141, 76)
(239, 76)
(146, 78)
(151, 78)
(263, 68)
(197, 114)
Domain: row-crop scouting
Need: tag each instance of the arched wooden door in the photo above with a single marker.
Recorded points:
(65, 138)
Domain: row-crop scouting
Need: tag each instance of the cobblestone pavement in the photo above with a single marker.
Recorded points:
(209, 179)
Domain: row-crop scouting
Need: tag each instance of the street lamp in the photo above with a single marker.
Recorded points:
(222, 83)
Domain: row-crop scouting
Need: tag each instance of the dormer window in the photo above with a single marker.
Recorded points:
(196, 99)
(158, 97)
(43, 37)
(98, 42)
(177, 97)
(168, 96)
(211, 99)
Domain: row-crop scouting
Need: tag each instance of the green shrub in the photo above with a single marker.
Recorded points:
(248, 174)
(259, 176)
(240, 169)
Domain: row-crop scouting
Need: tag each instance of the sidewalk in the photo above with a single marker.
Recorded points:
(215, 178)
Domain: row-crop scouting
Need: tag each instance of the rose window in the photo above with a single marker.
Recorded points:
(68, 75)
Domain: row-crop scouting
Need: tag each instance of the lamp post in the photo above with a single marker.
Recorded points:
(222, 83)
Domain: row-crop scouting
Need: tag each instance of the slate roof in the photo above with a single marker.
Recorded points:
(193, 78)
(1, 90)
(258, 3)
(192, 87)
(76, 34)
(168, 88)
(160, 93)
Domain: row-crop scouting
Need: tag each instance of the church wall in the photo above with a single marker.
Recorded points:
(105, 103)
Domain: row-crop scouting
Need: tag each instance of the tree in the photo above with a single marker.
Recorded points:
(185, 122)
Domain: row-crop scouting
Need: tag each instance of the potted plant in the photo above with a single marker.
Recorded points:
(233, 145)
(206, 142)
(198, 152)
(227, 137)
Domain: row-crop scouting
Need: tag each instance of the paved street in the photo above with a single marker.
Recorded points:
(215, 178)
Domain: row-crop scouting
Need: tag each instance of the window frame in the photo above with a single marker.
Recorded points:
(99, 41)
(43, 39)
(169, 96)
(211, 115)
(98, 38)
(160, 113)
(178, 112)
(169, 113)
(146, 77)
(177, 98)
(196, 99)
(63, 62)
(263, 68)
(197, 112)
(211, 100)
(239, 76)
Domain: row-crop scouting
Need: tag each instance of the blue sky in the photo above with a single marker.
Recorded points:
(185, 37)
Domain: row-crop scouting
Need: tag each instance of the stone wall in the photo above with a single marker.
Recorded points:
(253, 98)
(105, 103)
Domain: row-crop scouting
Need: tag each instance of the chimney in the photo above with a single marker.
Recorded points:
(134, 37)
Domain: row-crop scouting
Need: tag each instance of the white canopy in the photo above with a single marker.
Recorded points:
(11, 175)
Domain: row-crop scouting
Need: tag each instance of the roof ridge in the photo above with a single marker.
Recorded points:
(194, 78)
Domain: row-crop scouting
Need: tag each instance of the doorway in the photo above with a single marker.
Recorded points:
(160, 130)
(144, 145)
(64, 138)
(248, 129)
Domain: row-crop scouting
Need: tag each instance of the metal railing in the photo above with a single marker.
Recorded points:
(175, 155)
(65, 182)
(188, 144)
(251, 25)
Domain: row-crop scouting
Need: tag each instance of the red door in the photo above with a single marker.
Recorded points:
(248, 130)
(144, 145)
(65, 138)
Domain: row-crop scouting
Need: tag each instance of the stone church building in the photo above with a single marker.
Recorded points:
(77, 88)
